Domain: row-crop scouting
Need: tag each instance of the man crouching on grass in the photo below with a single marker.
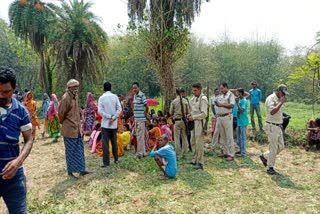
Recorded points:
(165, 157)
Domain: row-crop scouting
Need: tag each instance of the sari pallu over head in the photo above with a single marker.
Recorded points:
(53, 107)
(91, 106)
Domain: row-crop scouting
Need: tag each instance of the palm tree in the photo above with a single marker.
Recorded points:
(166, 27)
(79, 42)
(30, 20)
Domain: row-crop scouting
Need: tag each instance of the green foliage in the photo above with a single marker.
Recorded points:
(16, 54)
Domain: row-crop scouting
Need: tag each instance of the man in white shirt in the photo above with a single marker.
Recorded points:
(109, 108)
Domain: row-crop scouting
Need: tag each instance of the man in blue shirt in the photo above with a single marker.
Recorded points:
(255, 97)
(165, 157)
(242, 122)
(14, 119)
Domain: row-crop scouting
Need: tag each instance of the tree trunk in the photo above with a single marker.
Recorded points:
(43, 79)
(167, 79)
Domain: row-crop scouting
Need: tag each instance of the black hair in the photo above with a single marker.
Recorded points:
(216, 89)
(241, 90)
(136, 83)
(317, 120)
(150, 126)
(224, 84)
(98, 125)
(107, 86)
(8, 75)
(161, 113)
(127, 126)
(197, 85)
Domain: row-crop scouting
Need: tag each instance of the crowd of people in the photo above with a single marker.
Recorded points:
(113, 124)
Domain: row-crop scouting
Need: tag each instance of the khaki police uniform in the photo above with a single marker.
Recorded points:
(179, 125)
(273, 130)
(199, 111)
(224, 126)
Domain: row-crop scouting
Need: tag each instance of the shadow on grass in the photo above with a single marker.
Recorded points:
(60, 188)
(284, 181)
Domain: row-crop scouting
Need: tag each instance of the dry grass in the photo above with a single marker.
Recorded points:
(133, 186)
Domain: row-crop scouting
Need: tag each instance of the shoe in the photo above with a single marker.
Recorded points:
(72, 175)
(116, 162)
(85, 173)
(238, 152)
(104, 165)
(198, 166)
(192, 163)
(271, 171)
(229, 158)
(239, 155)
(263, 160)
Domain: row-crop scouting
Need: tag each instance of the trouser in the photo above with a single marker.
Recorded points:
(225, 128)
(14, 192)
(242, 139)
(140, 132)
(179, 130)
(197, 142)
(276, 143)
(255, 107)
(213, 125)
(109, 134)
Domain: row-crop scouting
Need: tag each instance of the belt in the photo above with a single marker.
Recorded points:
(223, 115)
(276, 124)
(177, 119)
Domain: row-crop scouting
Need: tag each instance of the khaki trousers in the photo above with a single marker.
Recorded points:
(140, 132)
(197, 142)
(276, 143)
(225, 129)
(179, 129)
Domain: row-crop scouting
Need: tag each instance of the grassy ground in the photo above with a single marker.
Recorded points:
(133, 186)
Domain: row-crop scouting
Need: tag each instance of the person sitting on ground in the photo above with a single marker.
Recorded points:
(313, 135)
(154, 133)
(126, 136)
(165, 128)
(165, 157)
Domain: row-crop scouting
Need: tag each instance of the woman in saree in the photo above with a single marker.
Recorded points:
(53, 120)
(32, 108)
(90, 111)
(44, 112)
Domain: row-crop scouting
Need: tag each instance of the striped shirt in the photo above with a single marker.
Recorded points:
(13, 121)
(139, 103)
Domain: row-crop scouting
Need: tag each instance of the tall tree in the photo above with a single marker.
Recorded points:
(79, 42)
(166, 30)
(30, 20)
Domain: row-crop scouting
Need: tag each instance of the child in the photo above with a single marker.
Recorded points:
(165, 128)
(154, 133)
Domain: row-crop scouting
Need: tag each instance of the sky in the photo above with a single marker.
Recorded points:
(290, 22)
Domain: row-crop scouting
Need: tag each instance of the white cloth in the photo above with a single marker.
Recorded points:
(213, 99)
(109, 107)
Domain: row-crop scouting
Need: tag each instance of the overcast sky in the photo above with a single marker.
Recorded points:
(291, 22)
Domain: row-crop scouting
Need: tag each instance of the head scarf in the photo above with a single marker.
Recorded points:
(91, 106)
(45, 105)
(53, 108)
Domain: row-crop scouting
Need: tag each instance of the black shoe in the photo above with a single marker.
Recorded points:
(116, 162)
(190, 162)
(198, 166)
(72, 175)
(85, 173)
(263, 160)
(271, 171)
(104, 165)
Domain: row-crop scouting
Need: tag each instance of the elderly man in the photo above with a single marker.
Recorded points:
(69, 116)
(199, 111)
(165, 157)
(14, 119)
(273, 129)
(224, 127)
(179, 109)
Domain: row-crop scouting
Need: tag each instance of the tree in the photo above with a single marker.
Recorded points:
(79, 43)
(30, 20)
(165, 24)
